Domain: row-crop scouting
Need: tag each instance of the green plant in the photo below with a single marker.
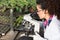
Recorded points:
(18, 4)
(18, 20)
(4, 20)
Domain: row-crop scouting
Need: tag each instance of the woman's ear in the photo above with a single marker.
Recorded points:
(46, 11)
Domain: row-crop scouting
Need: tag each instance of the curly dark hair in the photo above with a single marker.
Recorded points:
(57, 8)
(53, 6)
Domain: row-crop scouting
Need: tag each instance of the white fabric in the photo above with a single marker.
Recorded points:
(52, 31)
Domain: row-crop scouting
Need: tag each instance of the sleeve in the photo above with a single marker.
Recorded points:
(56, 32)
(38, 37)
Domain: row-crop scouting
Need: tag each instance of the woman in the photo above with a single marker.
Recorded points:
(49, 10)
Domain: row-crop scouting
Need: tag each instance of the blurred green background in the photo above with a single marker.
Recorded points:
(13, 9)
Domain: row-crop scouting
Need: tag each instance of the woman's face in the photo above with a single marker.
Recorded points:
(40, 12)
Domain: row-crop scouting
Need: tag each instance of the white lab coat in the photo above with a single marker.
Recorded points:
(52, 32)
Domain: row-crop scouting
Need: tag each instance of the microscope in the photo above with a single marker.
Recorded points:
(30, 25)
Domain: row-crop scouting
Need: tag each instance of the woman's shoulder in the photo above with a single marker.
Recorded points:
(55, 21)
